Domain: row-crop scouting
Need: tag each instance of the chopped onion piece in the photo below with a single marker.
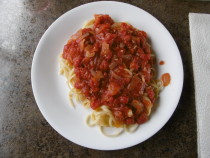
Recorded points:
(122, 45)
(113, 65)
(89, 54)
(128, 56)
(116, 76)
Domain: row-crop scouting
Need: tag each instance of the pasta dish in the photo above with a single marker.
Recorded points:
(110, 67)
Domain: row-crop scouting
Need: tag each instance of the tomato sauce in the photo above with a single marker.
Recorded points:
(161, 62)
(113, 66)
(166, 78)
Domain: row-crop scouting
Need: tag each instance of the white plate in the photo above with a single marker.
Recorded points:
(51, 91)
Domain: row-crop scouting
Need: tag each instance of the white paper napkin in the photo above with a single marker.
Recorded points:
(200, 47)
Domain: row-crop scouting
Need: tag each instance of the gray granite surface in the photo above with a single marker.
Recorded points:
(23, 130)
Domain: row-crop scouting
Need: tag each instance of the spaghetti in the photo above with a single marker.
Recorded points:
(110, 68)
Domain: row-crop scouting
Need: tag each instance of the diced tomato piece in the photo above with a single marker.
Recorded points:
(85, 90)
(95, 104)
(79, 85)
(124, 99)
(135, 63)
(104, 65)
(129, 121)
(150, 92)
(166, 78)
(113, 88)
(102, 19)
(118, 115)
(142, 118)
(77, 61)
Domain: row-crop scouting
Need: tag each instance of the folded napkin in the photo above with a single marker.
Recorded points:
(200, 47)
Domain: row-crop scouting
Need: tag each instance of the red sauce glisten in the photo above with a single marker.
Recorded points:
(101, 55)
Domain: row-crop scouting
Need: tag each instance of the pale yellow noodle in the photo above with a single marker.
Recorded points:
(131, 128)
(117, 133)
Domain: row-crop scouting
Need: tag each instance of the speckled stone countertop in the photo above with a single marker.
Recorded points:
(23, 130)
